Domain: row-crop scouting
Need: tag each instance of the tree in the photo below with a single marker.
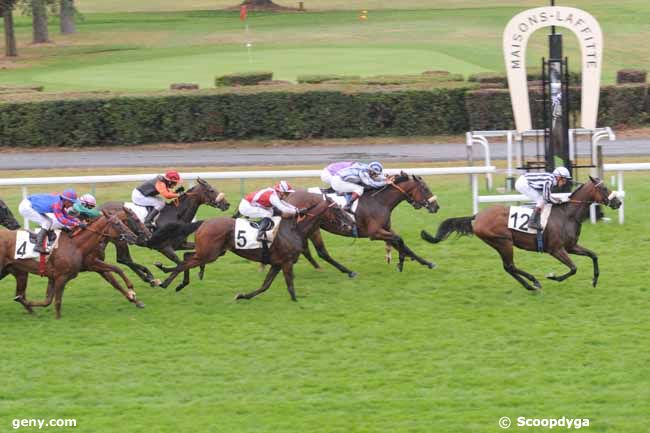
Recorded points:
(6, 9)
(263, 5)
(39, 21)
(66, 14)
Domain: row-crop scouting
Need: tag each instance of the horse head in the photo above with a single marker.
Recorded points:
(416, 191)
(339, 219)
(601, 194)
(115, 228)
(208, 195)
(131, 220)
(6, 217)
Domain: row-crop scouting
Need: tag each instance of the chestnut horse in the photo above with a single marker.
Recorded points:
(78, 251)
(173, 226)
(373, 220)
(560, 236)
(216, 236)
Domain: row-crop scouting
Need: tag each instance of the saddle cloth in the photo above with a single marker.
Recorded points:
(520, 216)
(336, 198)
(25, 243)
(246, 233)
(140, 211)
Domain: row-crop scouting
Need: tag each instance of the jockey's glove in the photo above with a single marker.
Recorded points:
(180, 189)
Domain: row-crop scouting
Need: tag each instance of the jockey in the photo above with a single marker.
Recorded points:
(265, 203)
(35, 207)
(85, 208)
(537, 187)
(353, 179)
(332, 169)
(148, 194)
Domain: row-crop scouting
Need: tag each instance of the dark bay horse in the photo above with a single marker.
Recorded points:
(173, 226)
(6, 217)
(216, 236)
(560, 236)
(373, 219)
(78, 251)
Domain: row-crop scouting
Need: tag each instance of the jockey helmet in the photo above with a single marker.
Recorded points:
(283, 186)
(172, 176)
(376, 168)
(562, 172)
(69, 195)
(88, 201)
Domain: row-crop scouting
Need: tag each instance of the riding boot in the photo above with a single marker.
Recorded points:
(263, 226)
(535, 223)
(40, 238)
(351, 198)
(148, 221)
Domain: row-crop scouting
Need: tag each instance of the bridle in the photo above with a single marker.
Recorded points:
(114, 221)
(606, 200)
(411, 200)
(305, 213)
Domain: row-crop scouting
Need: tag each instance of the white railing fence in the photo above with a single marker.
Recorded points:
(23, 183)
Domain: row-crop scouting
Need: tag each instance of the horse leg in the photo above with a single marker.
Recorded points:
(563, 256)
(201, 272)
(505, 249)
(397, 242)
(319, 244)
(270, 276)
(129, 295)
(59, 286)
(192, 262)
(306, 251)
(287, 270)
(389, 252)
(49, 295)
(124, 258)
(582, 251)
(186, 273)
(21, 289)
(168, 252)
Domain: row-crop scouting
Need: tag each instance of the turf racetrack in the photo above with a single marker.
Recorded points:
(445, 350)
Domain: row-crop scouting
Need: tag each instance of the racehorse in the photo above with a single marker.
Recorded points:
(560, 238)
(373, 219)
(6, 217)
(173, 226)
(216, 236)
(80, 250)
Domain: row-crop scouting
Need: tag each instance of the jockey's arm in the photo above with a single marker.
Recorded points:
(379, 182)
(546, 193)
(164, 191)
(282, 206)
(62, 217)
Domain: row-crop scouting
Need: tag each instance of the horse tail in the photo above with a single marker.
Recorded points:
(462, 226)
(172, 231)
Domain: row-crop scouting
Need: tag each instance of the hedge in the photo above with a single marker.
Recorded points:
(289, 112)
(192, 117)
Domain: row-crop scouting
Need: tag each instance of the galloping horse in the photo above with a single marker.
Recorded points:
(78, 251)
(173, 226)
(6, 217)
(216, 236)
(560, 236)
(373, 219)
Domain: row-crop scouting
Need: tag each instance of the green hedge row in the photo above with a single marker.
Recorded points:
(286, 113)
(197, 117)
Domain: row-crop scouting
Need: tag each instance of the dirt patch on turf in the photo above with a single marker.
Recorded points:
(10, 64)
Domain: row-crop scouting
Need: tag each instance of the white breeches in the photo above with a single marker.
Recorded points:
(250, 211)
(26, 210)
(142, 200)
(340, 185)
(326, 177)
(522, 186)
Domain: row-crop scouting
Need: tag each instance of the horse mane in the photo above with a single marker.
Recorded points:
(402, 177)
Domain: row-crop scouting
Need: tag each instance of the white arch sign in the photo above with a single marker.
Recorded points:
(515, 40)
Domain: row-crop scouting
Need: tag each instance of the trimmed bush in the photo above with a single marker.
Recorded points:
(623, 105)
(627, 76)
(243, 79)
(489, 77)
(317, 79)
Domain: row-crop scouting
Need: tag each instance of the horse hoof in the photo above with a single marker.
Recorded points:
(352, 274)
(551, 276)
(18, 299)
(537, 284)
(432, 265)
(239, 296)
(179, 288)
(139, 304)
(155, 283)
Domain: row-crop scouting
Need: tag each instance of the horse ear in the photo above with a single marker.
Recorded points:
(593, 180)
(105, 212)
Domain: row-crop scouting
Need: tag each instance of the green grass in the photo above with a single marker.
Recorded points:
(445, 350)
(149, 50)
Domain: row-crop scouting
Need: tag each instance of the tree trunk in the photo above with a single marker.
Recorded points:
(39, 22)
(66, 13)
(10, 35)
